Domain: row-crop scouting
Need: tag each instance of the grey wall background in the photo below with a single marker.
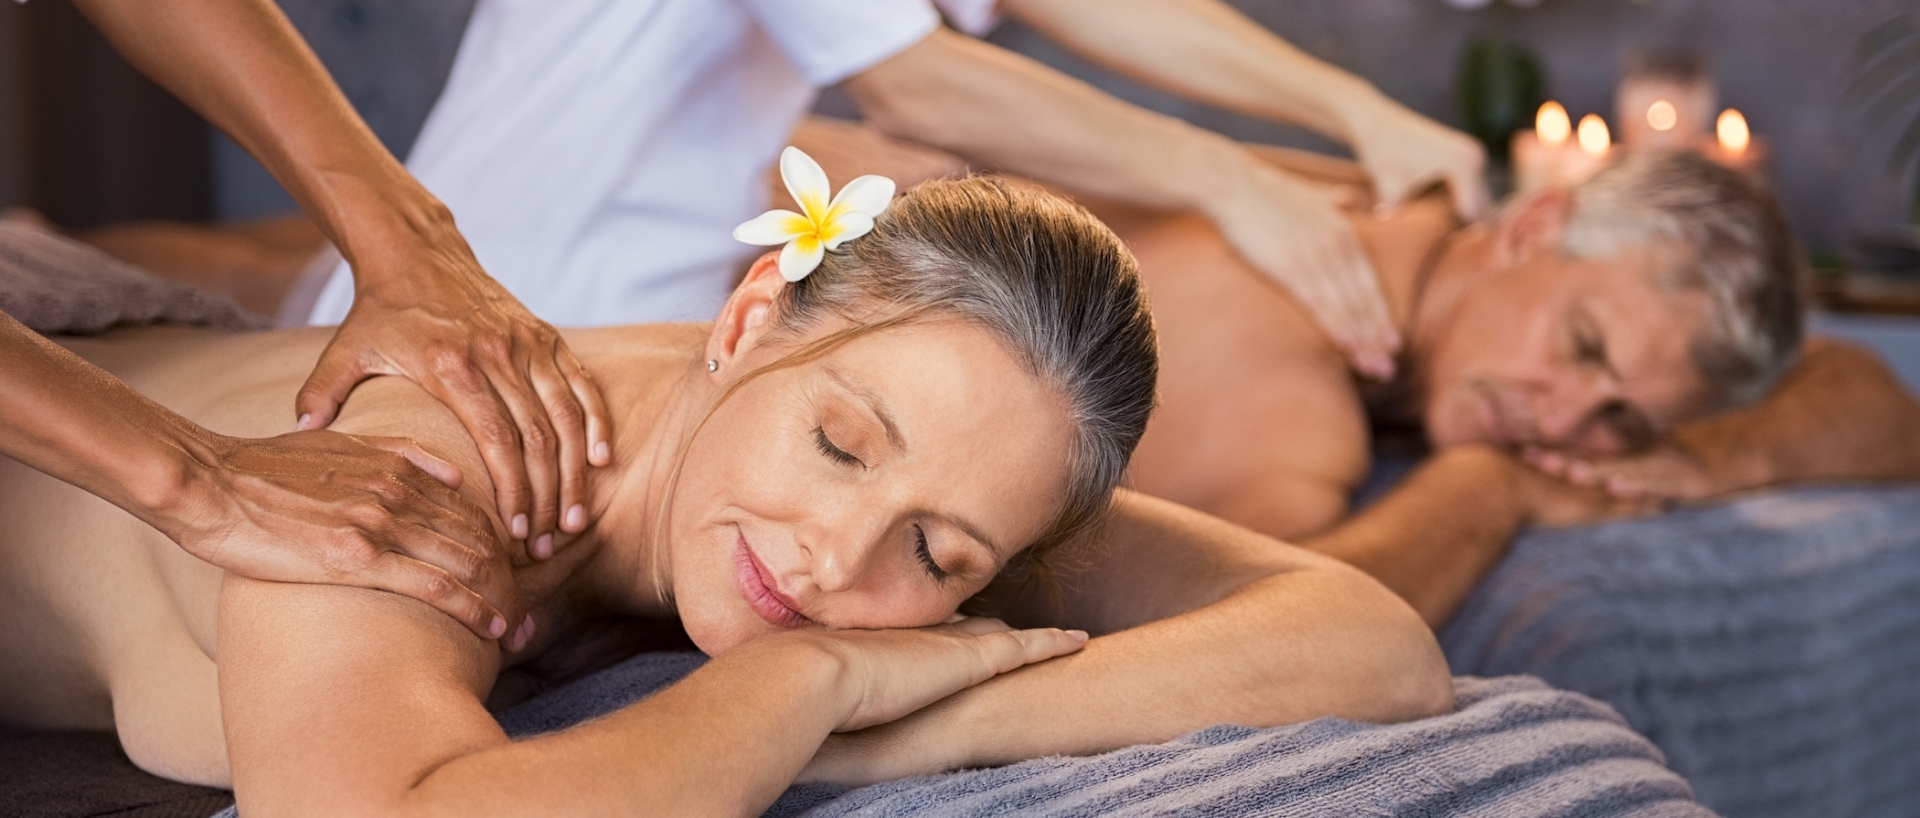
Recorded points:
(1784, 63)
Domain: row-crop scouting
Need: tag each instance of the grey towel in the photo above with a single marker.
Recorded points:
(57, 286)
(1514, 747)
(1769, 646)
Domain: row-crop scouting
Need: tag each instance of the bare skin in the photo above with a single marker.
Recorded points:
(335, 699)
(1260, 425)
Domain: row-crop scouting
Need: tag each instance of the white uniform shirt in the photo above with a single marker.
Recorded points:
(597, 154)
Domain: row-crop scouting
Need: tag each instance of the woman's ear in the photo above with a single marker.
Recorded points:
(1536, 224)
(743, 321)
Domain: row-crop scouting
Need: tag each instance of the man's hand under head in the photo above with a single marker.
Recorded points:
(533, 410)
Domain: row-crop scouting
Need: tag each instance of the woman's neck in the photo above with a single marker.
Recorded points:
(654, 386)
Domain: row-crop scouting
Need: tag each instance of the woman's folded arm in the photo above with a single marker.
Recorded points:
(1198, 622)
(340, 701)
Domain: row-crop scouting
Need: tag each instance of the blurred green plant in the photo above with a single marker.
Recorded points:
(1886, 93)
(1499, 85)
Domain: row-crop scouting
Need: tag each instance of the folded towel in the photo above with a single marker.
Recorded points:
(1769, 646)
(56, 286)
(1514, 747)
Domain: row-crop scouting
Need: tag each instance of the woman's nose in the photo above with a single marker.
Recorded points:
(843, 554)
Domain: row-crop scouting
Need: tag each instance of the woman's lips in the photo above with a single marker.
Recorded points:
(758, 588)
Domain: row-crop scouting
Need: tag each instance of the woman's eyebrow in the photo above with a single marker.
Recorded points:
(875, 404)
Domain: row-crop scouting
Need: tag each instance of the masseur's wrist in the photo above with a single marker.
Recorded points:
(173, 486)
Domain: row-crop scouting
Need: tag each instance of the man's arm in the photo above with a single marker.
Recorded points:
(1838, 414)
(1005, 111)
(1196, 622)
(1448, 524)
(423, 307)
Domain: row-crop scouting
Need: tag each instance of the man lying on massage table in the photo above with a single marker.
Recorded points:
(1599, 334)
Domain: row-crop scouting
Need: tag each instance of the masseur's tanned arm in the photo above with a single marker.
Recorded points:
(1196, 622)
(304, 507)
(423, 307)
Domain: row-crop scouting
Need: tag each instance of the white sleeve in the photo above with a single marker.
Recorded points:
(830, 40)
(975, 17)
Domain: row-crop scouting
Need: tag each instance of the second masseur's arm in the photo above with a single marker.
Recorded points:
(1197, 622)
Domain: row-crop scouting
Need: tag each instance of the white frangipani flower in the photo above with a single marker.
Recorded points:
(821, 225)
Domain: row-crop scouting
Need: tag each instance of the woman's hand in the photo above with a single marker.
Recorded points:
(533, 410)
(326, 508)
(1296, 234)
(1406, 153)
(887, 674)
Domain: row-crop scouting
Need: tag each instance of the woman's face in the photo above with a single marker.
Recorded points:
(877, 486)
(1584, 355)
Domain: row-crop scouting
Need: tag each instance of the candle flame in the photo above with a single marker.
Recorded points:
(1594, 138)
(1733, 132)
(1662, 116)
(1551, 124)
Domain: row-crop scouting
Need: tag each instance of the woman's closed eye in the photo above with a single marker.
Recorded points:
(833, 452)
(925, 554)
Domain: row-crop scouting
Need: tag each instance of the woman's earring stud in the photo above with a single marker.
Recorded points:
(713, 365)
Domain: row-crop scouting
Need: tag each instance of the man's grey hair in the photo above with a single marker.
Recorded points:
(1739, 250)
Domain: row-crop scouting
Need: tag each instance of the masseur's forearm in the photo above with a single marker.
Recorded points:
(240, 64)
(75, 422)
(1439, 532)
(1008, 112)
(1183, 641)
(1837, 414)
(1207, 51)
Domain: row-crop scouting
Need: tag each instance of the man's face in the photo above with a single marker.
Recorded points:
(1587, 355)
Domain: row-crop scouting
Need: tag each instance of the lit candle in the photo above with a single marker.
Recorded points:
(1594, 139)
(1735, 145)
(1551, 155)
(1733, 133)
(1552, 124)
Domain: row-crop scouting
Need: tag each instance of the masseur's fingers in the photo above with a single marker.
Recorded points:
(401, 574)
(340, 369)
(599, 420)
(540, 453)
(569, 420)
(497, 436)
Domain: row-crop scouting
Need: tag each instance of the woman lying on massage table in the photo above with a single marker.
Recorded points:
(809, 488)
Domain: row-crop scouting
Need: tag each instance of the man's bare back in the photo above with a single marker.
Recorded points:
(1260, 421)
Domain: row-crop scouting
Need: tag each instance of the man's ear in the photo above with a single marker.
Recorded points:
(743, 321)
(1534, 225)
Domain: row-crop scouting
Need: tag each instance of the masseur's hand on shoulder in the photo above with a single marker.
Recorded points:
(327, 508)
(424, 309)
(1298, 235)
(532, 409)
(304, 507)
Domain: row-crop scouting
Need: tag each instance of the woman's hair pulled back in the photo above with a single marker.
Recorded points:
(1040, 274)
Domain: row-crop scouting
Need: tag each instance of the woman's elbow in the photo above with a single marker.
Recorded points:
(1390, 665)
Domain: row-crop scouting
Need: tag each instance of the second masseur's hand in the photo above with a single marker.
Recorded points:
(1297, 235)
(1406, 153)
(534, 412)
(327, 508)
